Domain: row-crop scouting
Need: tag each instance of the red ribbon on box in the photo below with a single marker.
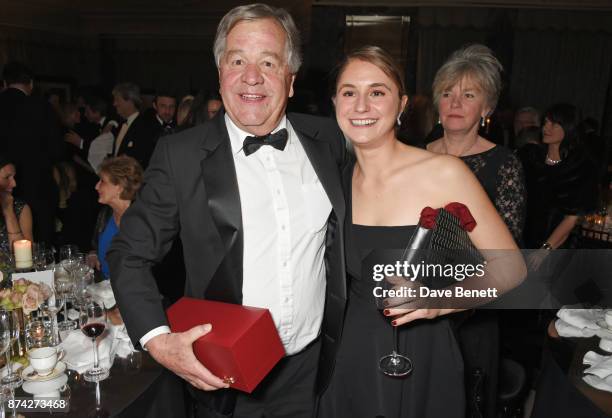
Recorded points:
(242, 347)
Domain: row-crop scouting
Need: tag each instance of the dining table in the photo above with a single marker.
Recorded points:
(136, 386)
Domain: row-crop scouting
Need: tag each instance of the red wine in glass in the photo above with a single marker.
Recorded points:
(93, 329)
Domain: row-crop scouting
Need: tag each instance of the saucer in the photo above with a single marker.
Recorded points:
(30, 375)
(46, 387)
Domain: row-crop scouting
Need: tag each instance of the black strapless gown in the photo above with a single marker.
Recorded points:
(358, 389)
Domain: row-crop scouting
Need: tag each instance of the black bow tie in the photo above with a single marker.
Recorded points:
(252, 143)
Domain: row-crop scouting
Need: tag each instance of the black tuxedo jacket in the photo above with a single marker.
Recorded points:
(140, 140)
(191, 190)
(30, 136)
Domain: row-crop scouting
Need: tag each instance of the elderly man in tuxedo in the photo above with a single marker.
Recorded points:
(137, 135)
(256, 197)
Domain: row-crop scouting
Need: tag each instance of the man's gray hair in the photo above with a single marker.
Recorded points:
(130, 92)
(532, 111)
(251, 12)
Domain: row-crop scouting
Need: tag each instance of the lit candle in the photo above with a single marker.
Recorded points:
(23, 253)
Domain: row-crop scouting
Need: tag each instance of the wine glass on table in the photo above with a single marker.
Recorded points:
(9, 331)
(83, 278)
(93, 324)
(51, 307)
(66, 251)
(65, 285)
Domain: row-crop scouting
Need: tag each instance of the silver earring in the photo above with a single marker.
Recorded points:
(439, 121)
(399, 122)
(482, 121)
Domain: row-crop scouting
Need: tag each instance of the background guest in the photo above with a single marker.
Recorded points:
(562, 185)
(30, 137)
(466, 90)
(525, 117)
(213, 104)
(138, 134)
(183, 110)
(165, 109)
(16, 214)
(120, 179)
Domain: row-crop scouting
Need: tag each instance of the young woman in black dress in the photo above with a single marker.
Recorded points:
(387, 187)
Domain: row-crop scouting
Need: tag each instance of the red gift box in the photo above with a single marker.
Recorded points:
(243, 345)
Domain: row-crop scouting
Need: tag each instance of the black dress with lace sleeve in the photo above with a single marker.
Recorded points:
(501, 175)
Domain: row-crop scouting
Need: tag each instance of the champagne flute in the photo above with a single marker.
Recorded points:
(9, 326)
(93, 324)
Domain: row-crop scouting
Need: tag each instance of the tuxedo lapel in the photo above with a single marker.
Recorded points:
(223, 199)
(320, 155)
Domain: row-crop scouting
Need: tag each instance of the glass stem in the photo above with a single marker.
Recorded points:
(98, 403)
(95, 348)
(55, 329)
(9, 369)
(395, 351)
(65, 309)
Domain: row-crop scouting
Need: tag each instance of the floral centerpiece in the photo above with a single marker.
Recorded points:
(24, 294)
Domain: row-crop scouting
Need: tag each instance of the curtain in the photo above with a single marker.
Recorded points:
(551, 66)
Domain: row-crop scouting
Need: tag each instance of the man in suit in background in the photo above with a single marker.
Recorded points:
(137, 135)
(165, 109)
(30, 136)
(256, 197)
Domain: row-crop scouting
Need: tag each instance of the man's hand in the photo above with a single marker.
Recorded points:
(174, 352)
(73, 138)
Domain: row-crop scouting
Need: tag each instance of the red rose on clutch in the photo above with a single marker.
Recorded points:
(459, 210)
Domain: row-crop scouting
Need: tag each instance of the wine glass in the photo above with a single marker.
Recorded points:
(9, 328)
(51, 307)
(64, 290)
(68, 250)
(43, 257)
(93, 324)
(83, 278)
(394, 364)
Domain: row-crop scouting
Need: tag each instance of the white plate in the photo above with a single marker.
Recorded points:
(46, 387)
(29, 375)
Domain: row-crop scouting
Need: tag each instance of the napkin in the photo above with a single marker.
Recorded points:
(574, 322)
(122, 345)
(102, 293)
(79, 350)
(599, 372)
(581, 318)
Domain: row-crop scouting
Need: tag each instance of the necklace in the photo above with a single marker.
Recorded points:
(463, 151)
(550, 161)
